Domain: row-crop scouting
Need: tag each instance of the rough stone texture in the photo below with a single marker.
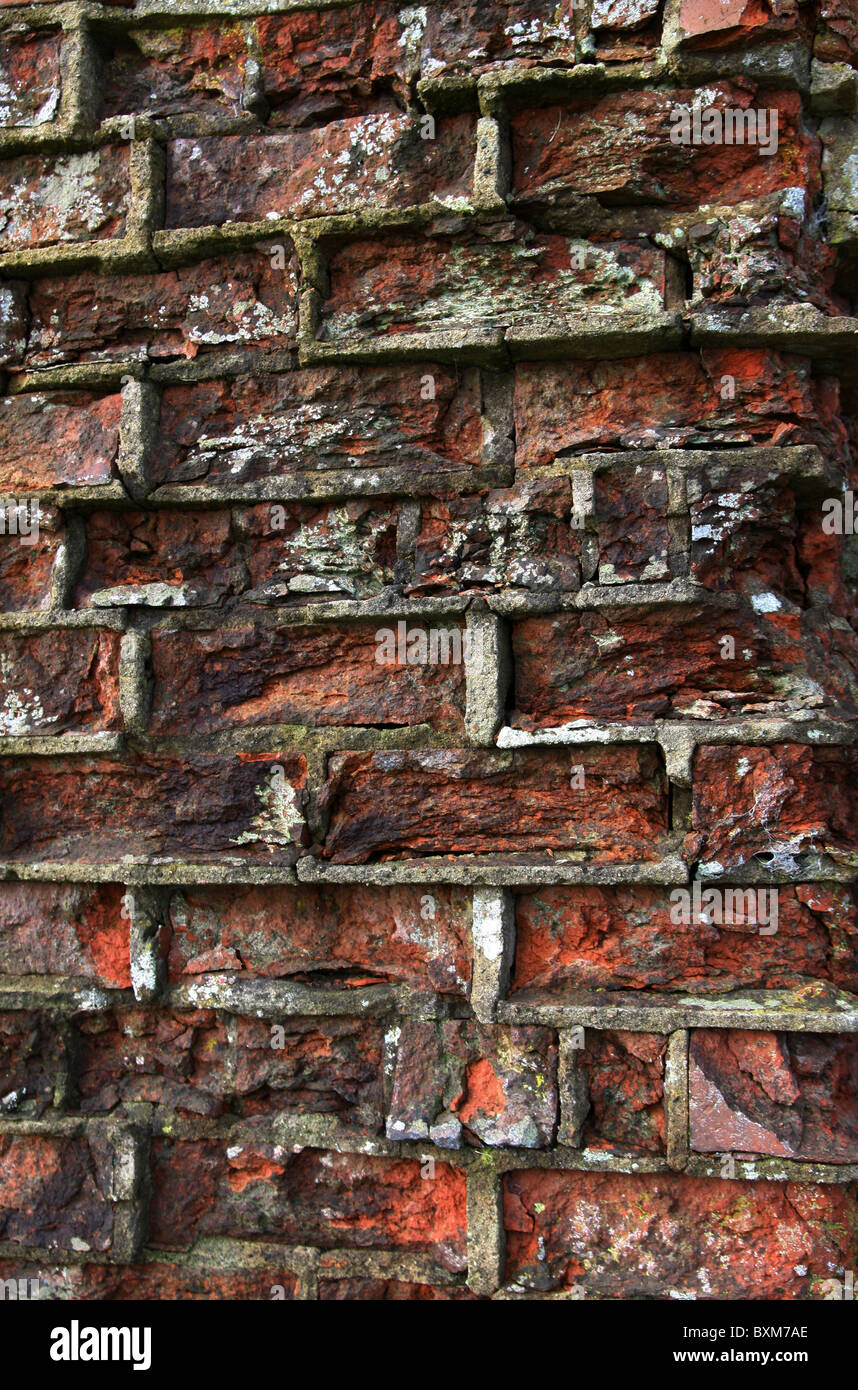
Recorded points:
(774, 804)
(307, 173)
(204, 1189)
(388, 804)
(233, 302)
(338, 330)
(98, 809)
(64, 929)
(323, 418)
(701, 1238)
(74, 197)
(245, 676)
(791, 1095)
(333, 936)
(60, 439)
(30, 82)
(580, 939)
(57, 681)
(508, 274)
(459, 1082)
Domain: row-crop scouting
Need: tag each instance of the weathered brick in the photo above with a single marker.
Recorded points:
(836, 38)
(252, 675)
(164, 559)
(607, 939)
(330, 1066)
(340, 936)
(308, 1198)
(668, 661)
(94, 809)
(670, 400)
(411, 803)
(14, 322)
(771, 804)
(54, 681)
(65, 198)
(211, 180)
(319, 65)
(53, 1193)
(624, 1074)
(458, 1081)
(634, 532)
(59, 439)
(64, 929)
(791, 1095)
(174, 1060)
(301, 552)
(31, 1054)
(468, 37)
(503, 275)
(679, 1237)
(156, 1281)
(337, 418)
(390, 1290)
(519, 537)
(717, 23)
(165, 72)
(26, 571)
(236, 301)
(30, 84)
(620, 149)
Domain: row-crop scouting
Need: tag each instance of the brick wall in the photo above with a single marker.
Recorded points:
(331, 974)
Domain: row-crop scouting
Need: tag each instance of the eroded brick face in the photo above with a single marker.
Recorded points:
(428, 665)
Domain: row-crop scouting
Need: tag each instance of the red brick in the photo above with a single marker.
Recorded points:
(679, 1237)
(634, 533)
(65, 198)
(52, 1192)
(519, 537)
(624, 1075)
(771, 804)
(620, 148)
(309, 1198)
(190, 556)
(239, 677)
(64, 929)
(26, 571)
(156, 1281)
(579, 939)
(51, 682)
(458, 1081)
(59, 439)
(671, 400)
(716, 23)
(301, 552)
(337, 418)
(174, 1060)
(91, 810)
(235, 301)
(31, 1054)
(29, 76)
(156, 72)
(599, 665)
(398, 804)
(469, 38)
(343, 936)
(508, 274)
(240, 178)
(390, 1290)
(790, 1095)
(330, 1066)
(752, 532)
(836, 39)
(324, 64)
(14, 322)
